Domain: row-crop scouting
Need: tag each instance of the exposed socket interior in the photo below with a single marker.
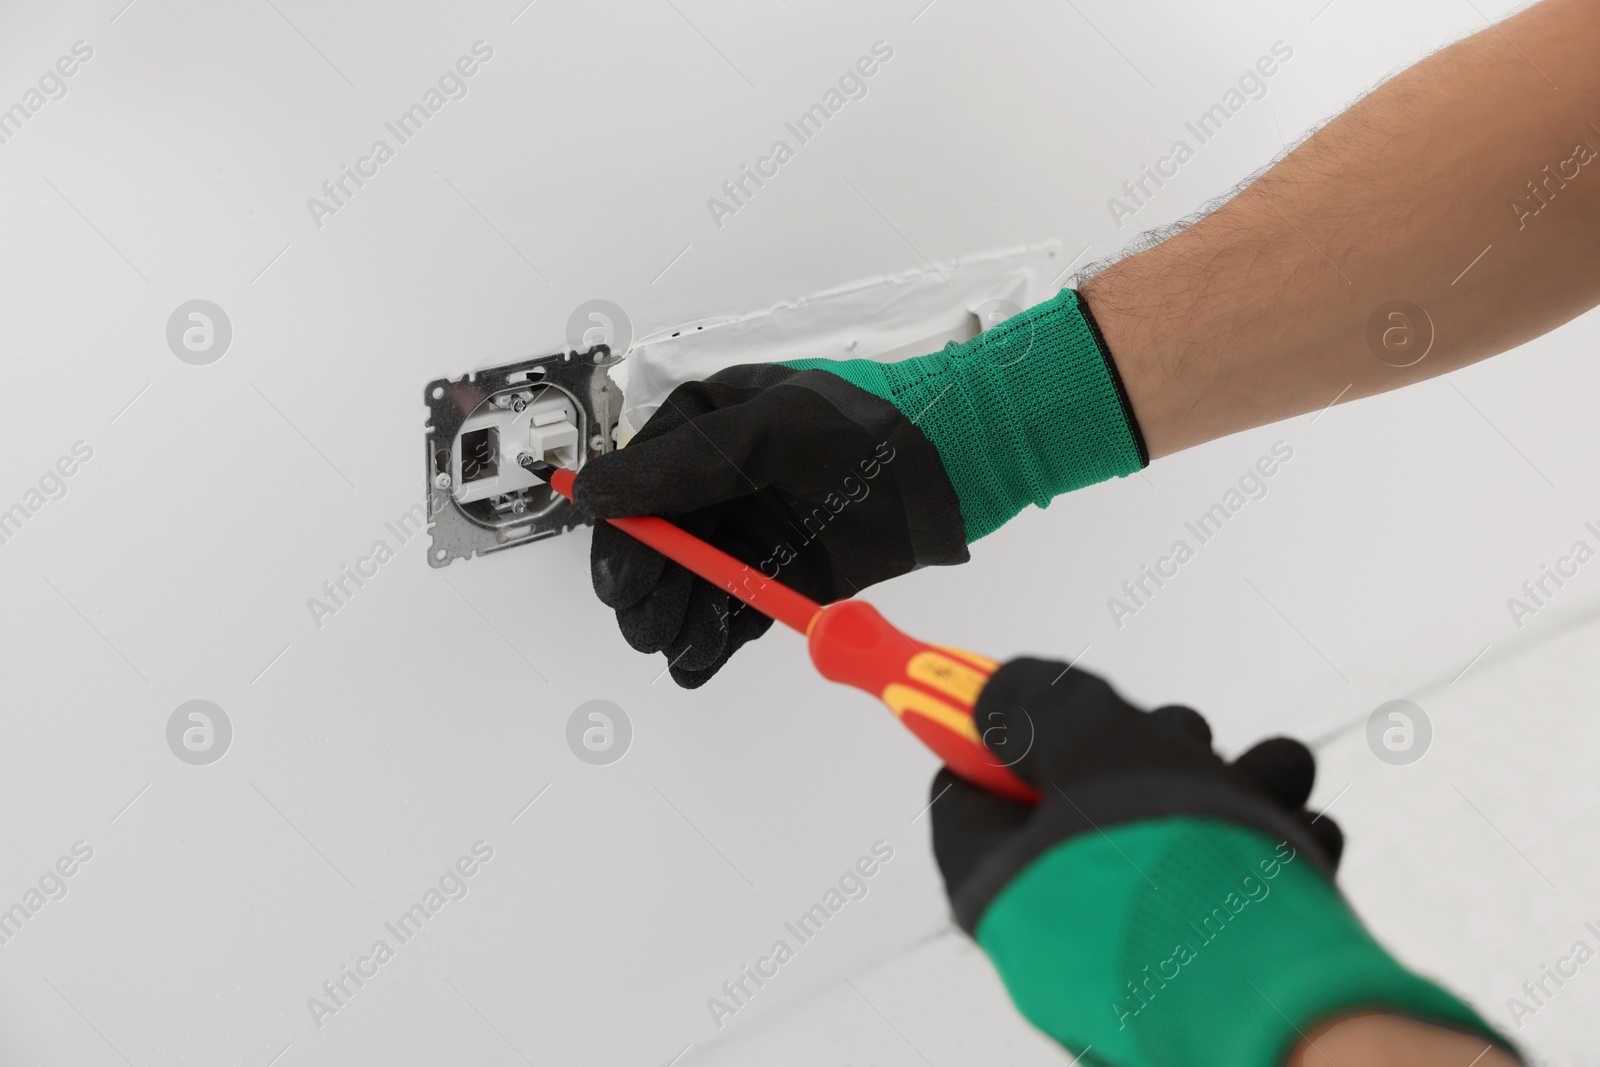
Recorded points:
(503, 445)
(494, 435)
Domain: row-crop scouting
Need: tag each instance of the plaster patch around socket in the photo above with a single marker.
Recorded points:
(885, 318)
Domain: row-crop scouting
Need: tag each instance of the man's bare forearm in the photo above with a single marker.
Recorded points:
(1261, 310)
(1378, 1039)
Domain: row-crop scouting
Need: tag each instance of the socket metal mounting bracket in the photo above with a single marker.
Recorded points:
(462, 530)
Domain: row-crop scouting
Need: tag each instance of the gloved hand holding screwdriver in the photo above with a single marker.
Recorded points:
(834, 475)
(1161, 905)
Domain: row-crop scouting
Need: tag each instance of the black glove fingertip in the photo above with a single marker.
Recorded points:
(692, 679)
(1183, 720)
(701, 642)
(1004, 722)
(1032, 713)
(655, 621)
(1282, 768)
(623, 570)
(745, 624)
(1328, 835)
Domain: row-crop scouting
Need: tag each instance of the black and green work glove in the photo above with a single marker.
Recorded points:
(1160, 904)
(830, 475)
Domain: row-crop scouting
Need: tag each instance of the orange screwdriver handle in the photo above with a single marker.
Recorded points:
(930, 688)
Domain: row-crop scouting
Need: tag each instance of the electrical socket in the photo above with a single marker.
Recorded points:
(493, 433)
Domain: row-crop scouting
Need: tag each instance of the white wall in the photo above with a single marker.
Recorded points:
(373, 751)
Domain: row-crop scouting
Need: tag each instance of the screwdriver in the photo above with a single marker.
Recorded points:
(932, 689)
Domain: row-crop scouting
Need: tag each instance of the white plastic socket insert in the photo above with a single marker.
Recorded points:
(488, 457)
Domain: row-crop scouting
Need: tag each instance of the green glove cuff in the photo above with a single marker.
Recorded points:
(1192, 940)
(1025, 411)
